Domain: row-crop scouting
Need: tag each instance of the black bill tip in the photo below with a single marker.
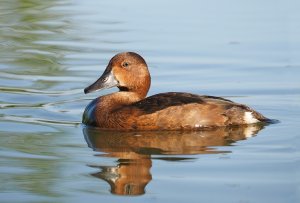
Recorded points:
(86, 90)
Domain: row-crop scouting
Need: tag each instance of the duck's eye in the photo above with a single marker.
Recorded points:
(125, 64)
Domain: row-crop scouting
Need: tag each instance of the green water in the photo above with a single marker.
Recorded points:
(245, 51)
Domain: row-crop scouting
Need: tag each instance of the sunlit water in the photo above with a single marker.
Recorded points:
(245, 51)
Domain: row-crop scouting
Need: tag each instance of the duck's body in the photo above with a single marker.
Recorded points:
(128, 109)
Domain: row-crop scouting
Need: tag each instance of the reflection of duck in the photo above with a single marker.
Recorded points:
(130, 176)
(134, 150)
(128, 109)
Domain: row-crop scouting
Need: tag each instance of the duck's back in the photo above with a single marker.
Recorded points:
(174, 111)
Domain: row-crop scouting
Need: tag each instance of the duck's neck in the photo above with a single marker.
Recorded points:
(117, 100)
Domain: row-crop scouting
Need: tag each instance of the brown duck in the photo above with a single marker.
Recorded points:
(129, 109)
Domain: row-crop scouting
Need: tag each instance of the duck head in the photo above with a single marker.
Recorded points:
(128, 71)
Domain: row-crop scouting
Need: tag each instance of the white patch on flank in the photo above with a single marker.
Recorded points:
(249, 118)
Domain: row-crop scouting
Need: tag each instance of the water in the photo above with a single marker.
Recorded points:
(244, 51)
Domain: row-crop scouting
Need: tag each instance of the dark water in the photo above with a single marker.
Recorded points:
(246, 51)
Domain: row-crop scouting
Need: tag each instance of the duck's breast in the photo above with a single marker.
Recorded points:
(89, 116)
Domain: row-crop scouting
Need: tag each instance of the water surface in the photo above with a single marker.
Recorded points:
(245, 51)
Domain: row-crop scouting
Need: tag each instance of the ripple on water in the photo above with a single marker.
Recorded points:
(22, 127)
(22, 155)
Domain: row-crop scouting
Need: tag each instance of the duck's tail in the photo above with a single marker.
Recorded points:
(255, 117)
(269, 121)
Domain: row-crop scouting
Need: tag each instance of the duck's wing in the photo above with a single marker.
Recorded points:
(184, 109)
(164, 100)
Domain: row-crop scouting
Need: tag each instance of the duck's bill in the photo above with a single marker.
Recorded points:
(107, 80)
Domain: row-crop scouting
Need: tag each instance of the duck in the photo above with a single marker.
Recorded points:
(130, 110)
